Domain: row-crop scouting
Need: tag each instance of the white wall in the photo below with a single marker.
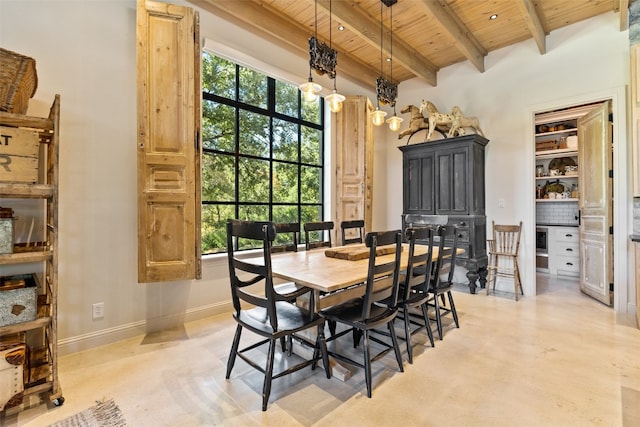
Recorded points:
(85, 51)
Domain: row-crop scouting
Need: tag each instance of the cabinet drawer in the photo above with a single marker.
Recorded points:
(568, 265)
(568, 249)
(567, 236)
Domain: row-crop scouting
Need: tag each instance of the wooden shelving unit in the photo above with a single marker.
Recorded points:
(40, 335)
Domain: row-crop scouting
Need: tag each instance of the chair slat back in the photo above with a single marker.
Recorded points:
(243, 274)
(447, 245)
(286, 237)
(352, 231)
(318, 234)
(382, 277)
(506, 238)
(419, 267)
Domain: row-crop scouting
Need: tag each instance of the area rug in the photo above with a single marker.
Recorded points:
(104, 414)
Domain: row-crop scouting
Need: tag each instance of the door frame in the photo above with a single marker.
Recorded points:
(622, 303)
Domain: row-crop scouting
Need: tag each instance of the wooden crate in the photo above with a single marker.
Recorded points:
(18, 81)
(19, 149)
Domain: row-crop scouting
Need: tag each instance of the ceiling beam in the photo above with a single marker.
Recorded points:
(534, 24)
(363, 26)
(462, 38)
(293, 37)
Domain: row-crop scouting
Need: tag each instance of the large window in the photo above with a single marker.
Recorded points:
(262, 151)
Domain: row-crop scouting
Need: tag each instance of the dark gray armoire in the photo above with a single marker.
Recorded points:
(446, 177)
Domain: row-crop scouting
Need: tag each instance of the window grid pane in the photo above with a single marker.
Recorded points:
(262, 151)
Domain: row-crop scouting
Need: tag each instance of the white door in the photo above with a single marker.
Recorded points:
(596, 203)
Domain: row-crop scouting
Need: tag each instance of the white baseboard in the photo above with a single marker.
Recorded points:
(130, 330)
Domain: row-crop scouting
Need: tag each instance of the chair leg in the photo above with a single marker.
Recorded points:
(367, 363)
(490, 274)
(407, 334)
(438, 316)
(234, 351)
(321, 348)
(427, 323)
(268, 374)
(518, 276)
(357, 334)
(495, 271)
(452, 307)
(396, 347)
(332, 327)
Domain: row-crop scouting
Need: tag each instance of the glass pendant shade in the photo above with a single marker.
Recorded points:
(378, 117)
(335, 101)
(394, 123)
(310, 90)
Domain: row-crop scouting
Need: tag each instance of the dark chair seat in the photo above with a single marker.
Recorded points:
(290, 319)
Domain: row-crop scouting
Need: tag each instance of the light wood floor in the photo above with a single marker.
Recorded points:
(555, 359)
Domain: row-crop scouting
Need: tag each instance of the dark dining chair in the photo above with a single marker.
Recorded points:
(441, 282)
(264, 312)
(414, 286)
(318, 234)
(352, 231)
(287, 237)
(376, 309)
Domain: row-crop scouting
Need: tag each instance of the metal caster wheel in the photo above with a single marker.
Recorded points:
(58, 402)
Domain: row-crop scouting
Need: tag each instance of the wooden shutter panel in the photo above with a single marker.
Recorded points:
(169, 105)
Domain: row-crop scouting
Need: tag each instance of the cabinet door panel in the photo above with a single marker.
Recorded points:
(420, 176)
(460, 182)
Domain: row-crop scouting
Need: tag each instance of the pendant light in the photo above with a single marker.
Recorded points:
(322, 59)
(379, 115)
(334, 99)
(394, 121)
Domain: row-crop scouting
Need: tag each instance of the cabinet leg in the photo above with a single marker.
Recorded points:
(482, 271)
(472, 276)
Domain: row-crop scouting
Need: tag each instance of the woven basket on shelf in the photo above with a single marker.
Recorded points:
(18, 81)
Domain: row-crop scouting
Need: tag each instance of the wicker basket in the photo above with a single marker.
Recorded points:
(18, 81)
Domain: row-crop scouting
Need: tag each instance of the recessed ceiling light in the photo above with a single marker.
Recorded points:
(493, 17)
(341, 27)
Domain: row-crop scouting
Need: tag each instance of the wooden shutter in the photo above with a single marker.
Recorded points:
(354, 161)
(169, 104)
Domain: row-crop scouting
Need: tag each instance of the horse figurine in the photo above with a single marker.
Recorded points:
(440, 121)
(416, 122)
(460, 122)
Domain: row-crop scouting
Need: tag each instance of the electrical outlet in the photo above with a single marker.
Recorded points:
(98, 310)
(501, 203)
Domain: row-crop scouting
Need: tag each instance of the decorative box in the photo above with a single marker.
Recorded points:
(18, 299)
(6, 235)
(12, 362)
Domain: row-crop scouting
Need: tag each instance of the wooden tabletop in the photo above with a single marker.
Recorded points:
(317, 271)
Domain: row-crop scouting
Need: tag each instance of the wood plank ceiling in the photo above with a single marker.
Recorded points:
(428, 35)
